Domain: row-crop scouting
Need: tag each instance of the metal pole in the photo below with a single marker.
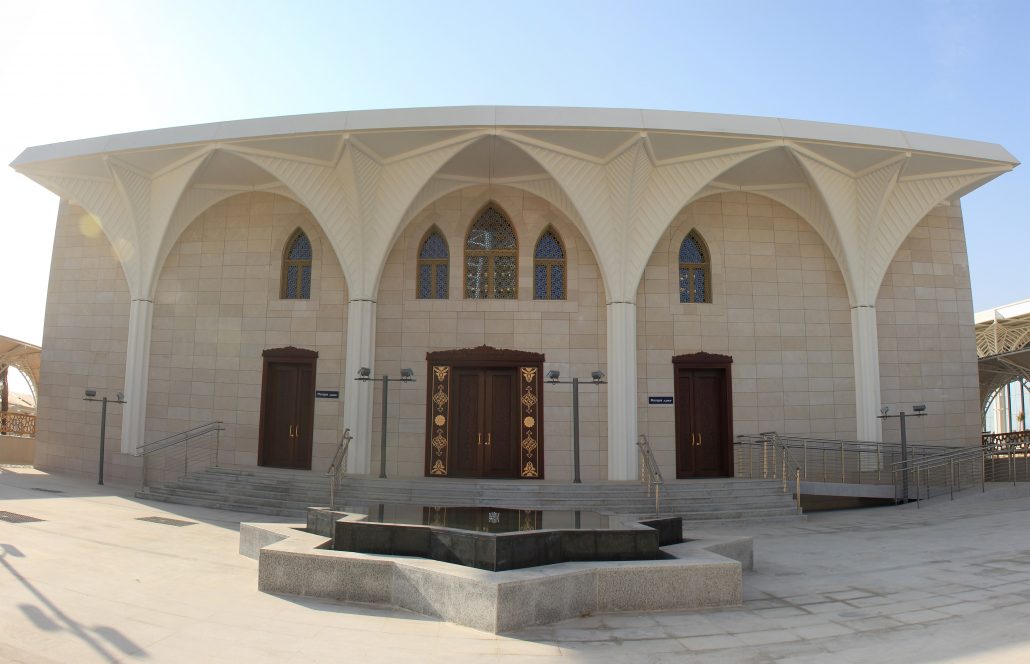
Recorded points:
(575, 431)
(1008, 398)
(103, 432)
(382, 445)
(904, 460)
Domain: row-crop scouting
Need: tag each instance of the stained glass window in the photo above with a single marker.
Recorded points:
(433, 260)
(549, 267)
(296, 277)
(694, 269)
(491, 258)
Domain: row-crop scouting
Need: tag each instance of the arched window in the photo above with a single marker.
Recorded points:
(549, 267)
(433, 264)
(491, 258)
(695, 270)
(296, 277)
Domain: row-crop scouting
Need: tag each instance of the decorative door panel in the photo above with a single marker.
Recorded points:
(466, 449)
(500, 449)
(709, 419)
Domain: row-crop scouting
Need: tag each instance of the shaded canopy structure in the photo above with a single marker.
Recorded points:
(1003, 346)
(24, 357)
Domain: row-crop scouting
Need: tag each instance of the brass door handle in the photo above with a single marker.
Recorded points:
(699, 440)
(479, 439)
(692, 441)
(489, 437)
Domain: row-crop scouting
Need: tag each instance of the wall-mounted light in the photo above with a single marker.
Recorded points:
(364, 373)
(597, 376)
(919, 408)
(407, 374)
(91, 393)
(553, 375)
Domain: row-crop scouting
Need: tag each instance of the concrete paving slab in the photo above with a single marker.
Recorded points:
(92, 583)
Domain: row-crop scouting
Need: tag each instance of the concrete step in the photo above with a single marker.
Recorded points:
(284, 492)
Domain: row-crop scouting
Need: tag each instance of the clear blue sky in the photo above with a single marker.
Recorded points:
(76, 69)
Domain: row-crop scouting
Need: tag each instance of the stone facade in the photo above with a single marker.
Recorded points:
(570, 333)
(927, 344)
(218, 307)
(849, 293)
(779, 309)
(84, 340)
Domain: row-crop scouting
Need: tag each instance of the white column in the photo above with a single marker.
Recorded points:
(357, 404)
(866, 347)
(137, 375)
(622, 391)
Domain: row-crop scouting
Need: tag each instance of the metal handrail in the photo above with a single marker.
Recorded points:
(650, 473)
(975, 465)
(338, 466)
(181, 438)
(826, 460)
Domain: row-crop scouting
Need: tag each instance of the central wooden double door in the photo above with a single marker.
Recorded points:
(484, 413)
(486, 423)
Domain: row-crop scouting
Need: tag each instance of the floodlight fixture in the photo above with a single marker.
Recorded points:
(553, 375)
(121, 397)
(91, 393)
(407, 374)
(597, 376)
(884, 410)
(919, 408)
(364, 373)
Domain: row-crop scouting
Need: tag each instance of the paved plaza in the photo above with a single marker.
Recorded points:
(93, 582)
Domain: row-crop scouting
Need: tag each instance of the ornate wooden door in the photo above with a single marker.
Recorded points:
(704, 425)
(483, 414)
(287, 408)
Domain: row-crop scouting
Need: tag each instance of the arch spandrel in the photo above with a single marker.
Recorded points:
(546, 188)
(630, 201)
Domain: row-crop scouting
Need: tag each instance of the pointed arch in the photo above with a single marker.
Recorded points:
(295, 283)
(550, 266)
(695, 269)
(491, 256)
(434, 258)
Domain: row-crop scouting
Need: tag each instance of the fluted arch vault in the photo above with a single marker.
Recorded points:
(620, 175)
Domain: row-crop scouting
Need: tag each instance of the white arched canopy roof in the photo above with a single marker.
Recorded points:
(621, 175)
(24, 357)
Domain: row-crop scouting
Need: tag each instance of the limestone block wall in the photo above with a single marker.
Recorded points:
(570, 333)
(779, 307)
(217, 307)
(84, 341)
(924, 316)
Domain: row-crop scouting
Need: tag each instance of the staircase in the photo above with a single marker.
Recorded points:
(288, 493)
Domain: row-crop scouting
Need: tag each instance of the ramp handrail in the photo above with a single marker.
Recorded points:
(339, 466)
(182, 438)
(825, 460)
(650, 473)
(997, 459)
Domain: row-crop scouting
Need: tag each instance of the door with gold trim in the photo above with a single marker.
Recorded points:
(483, 414)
